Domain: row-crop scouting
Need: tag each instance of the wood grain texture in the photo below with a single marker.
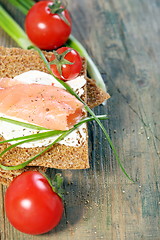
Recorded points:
(101, 203)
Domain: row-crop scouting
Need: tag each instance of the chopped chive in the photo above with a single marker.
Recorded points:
(36, 136)
(19, 143)
(23, 124)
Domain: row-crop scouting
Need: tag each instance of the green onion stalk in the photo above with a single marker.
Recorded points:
(22, 5)
(11, 27)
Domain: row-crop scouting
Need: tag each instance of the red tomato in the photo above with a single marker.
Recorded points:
(31, 205)
(45, 29)
(68, 71)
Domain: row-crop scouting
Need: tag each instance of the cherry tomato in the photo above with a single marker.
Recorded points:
(69, 70)
(45, 29)
(31, 205)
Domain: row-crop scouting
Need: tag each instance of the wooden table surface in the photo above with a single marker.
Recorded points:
(123, 38)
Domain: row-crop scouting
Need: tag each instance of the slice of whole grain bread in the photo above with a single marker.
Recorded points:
(14, 61)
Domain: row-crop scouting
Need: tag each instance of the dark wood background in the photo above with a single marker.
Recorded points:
(123, 38)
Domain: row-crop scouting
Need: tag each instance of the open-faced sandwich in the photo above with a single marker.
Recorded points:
(29, 94)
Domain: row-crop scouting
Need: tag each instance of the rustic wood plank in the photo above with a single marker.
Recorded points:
(101, 203)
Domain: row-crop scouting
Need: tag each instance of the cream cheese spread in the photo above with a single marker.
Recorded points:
(10, 130)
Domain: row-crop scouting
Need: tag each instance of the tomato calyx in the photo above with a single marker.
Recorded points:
(58, 8)
(56, 184)
(60, 60)
(69, 70)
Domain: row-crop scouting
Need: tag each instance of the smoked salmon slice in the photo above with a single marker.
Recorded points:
(47, 106)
